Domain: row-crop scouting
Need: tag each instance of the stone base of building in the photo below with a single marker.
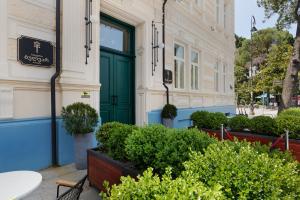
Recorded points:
(26, 144)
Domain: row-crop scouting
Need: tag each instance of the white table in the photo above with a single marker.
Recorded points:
(18, 184)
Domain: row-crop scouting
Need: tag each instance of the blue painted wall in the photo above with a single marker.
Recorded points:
(26, 144)
(183, 115)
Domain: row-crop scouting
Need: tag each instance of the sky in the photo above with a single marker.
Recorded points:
(244, 9)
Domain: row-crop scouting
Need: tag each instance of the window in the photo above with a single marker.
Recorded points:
(198, 2)
(224, 77)
(179, 66)
(218, 11)
(216, 77)
(114, 37)
(225, 16)
(195, 70)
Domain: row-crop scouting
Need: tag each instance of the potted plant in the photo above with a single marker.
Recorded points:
(80, 120)
(168, 114)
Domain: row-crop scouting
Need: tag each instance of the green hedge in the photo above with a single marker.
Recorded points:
(204, 119)
(225, 170)
(158, 147)
(116, 142)
(239, 123)
(104, 132)
(288, 122)
(263, 125)
(245, 173)
(291, 112)
(151, 186)
(112, 138)
(200, 119)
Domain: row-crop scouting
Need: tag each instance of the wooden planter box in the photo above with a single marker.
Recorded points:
(294, 145)
(103, 168)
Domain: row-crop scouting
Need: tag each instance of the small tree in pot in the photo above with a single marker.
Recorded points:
(168, 114)
(80, 120)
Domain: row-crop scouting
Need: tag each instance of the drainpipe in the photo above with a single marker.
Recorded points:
(164, 49)
(53, 80)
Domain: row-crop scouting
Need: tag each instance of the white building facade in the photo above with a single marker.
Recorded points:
(123, 75)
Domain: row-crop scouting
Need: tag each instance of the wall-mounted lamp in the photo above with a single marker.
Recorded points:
(155, 46)
(88, 28)
(160, 46)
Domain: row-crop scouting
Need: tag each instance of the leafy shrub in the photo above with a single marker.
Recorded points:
(177, 148)
(263, 124)
(290, 123)
(200, 118)
(204, 119)
(239, 123)
(150, 186)
(105, 130)
(159, 148)
(169, 111)
(245, 173)
(215, 120)
(79, 118)
(142, 145)
(116, 141)
(262, 149)
(291, 112)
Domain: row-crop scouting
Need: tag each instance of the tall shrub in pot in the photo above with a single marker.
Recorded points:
(168, 114)
(80, 121)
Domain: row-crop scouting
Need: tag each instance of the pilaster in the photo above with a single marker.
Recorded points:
(3, 39)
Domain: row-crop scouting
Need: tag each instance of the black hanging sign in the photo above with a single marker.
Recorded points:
(36, 52)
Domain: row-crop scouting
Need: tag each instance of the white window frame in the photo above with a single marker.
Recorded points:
(225, 15)
(218, 11)
(217, 76)
(177, 79)
(194, 65)
(224, 74)
(199, 3)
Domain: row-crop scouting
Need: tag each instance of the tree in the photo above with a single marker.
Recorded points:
(288, 12)
(274, 69)
(263, 43)
(239, 41)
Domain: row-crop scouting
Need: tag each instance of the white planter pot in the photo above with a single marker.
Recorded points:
(169, 123)
(82, 143)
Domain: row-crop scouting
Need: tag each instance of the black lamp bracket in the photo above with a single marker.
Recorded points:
(88, 29)
(155, 45)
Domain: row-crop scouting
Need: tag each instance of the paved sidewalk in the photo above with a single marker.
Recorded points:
(47, 190)
(260, 111)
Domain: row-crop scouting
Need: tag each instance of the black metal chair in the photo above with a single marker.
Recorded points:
(73, 193)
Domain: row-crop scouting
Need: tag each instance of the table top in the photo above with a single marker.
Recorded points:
(18, 184)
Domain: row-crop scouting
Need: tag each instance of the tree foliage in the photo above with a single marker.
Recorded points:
(266, 45)
(285, 9)
(288, 12)
(274, 69)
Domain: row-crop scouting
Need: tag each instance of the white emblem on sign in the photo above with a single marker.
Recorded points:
(37, 46)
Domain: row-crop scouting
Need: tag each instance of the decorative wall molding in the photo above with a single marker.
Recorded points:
(48, 4)
(44, 86)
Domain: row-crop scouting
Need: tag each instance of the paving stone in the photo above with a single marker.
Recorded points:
(47, 189)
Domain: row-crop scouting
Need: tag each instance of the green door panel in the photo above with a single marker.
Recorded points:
(123, 89)
(106, 91)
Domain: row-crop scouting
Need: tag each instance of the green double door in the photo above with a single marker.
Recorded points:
(116, 94)
(116, 72)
